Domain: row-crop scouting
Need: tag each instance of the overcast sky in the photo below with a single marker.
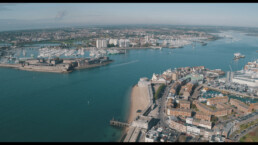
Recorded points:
(37, 15)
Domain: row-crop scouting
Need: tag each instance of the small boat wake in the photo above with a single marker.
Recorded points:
(122, 64)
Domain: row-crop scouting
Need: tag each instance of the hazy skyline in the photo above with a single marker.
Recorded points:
(39, 15)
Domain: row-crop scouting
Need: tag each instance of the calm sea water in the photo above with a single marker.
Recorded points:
(37, 106)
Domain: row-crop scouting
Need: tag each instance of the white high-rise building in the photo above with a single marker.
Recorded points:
(113, 41)
(101, 43)
(124, 43)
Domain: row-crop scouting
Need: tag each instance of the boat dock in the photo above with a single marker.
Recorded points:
(114, 122)
(227, 91)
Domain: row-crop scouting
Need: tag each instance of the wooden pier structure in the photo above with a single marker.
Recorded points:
(114, 122)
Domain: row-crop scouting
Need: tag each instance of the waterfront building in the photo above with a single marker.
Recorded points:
(144, 122)
(101, 43)
(113, 41)
(216, 100)
(252, 66)
(157, 79)
(253, 106)
(143, 82)
(167, 75)
(124, 43)
(229, 108)
(32, 61)
(68, 60)
(246, 77)
(240, 105)
(209, 111)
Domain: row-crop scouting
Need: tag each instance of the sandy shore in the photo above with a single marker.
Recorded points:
(139, 101)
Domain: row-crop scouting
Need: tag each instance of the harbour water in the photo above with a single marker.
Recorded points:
(211, 93)
(77, 107)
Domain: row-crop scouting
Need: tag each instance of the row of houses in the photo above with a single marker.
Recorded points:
(209, 111)
(179, 112)
(243, 107)
(191, 129)
(216, 100)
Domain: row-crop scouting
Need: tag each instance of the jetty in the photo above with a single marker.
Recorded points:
(114, 122)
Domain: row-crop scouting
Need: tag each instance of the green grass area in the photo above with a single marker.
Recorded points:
(193, 106)
(225, 117)
(250, 137)
(182, 138)
(244, 126)
(159, 91)
(214, 119)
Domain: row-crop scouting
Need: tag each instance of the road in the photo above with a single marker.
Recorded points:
(162, 111)
(162, 104)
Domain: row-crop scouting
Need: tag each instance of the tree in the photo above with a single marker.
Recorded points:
(146, 45)
(214, 119)
(194, 106)
(159, 91)
(110, 45)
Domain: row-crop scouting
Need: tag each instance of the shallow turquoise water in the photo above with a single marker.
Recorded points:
(38, 106)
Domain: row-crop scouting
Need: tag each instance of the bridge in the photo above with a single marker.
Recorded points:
(114, 122)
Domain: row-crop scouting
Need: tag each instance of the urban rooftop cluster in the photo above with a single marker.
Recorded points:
(185, 115)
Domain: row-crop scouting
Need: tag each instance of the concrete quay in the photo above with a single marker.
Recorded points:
(10, 65)
(58, 65)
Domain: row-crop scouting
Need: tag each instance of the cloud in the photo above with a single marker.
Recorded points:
(60, 15)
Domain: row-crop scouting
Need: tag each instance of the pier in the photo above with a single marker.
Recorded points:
(114, 122)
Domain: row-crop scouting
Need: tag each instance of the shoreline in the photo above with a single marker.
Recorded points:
(19, 67)
(139, 100)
